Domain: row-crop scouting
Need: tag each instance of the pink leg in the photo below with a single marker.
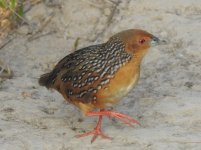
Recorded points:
(96, 132)
(126, 119)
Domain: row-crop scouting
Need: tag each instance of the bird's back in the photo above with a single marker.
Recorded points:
(80, 75)
(97, 75)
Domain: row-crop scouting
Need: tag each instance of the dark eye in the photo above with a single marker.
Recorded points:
(142, 41)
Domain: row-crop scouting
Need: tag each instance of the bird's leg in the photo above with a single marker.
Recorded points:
(126, 119)
(96, 132)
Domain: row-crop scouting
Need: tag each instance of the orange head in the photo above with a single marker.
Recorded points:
(137, 41)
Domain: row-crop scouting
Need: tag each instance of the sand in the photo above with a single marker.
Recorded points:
(166, 101)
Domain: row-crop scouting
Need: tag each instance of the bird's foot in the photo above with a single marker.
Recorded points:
(96, 132)
(124, 118)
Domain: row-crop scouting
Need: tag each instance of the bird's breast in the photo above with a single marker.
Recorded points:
(124, 80)
(125, 89)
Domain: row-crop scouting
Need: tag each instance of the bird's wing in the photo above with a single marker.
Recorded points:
(81, 73)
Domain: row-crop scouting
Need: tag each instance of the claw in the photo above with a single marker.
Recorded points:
(96, 132)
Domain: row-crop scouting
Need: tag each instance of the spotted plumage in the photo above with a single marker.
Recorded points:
(81, 70)
(98, 76)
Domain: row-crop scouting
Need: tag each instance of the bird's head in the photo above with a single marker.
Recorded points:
(137, 42)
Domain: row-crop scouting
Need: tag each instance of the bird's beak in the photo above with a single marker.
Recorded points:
(156, 41)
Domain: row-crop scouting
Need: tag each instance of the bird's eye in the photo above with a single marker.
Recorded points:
(142, 41)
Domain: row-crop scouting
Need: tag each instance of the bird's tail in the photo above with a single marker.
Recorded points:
(45, 80)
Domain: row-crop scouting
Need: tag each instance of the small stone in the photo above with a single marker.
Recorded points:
(24, 30)
(107, 11)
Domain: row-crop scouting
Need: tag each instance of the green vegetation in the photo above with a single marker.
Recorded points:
(15, 7)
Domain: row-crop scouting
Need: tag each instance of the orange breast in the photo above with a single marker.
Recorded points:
(124, 80)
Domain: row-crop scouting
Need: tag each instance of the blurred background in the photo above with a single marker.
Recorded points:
(36, 34)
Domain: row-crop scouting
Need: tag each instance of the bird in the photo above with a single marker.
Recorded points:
(96, 77)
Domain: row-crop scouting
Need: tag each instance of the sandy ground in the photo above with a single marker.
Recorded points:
(167, 99)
